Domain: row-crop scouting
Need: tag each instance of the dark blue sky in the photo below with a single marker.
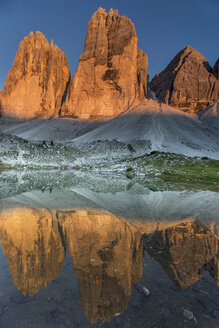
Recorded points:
(164, 27)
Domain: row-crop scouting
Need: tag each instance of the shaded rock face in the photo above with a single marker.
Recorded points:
(183, 251)
(216, 69)
(187, 83)
(37, 81)
(111, 76)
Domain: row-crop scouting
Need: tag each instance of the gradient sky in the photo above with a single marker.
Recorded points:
(164, 27)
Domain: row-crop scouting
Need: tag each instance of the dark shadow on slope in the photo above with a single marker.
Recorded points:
(47, 129)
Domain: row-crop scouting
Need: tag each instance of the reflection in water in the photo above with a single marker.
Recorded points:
(183, 251)
(32, 244)
(107, 254)
(106, 251)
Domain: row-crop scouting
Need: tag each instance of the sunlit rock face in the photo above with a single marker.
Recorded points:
(36, 84)
(111, 76)
(188, 82)
(32, 244)
(107, 255)
(183, 250)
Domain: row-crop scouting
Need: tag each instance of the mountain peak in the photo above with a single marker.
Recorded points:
(101, 10)
(37, 80)
(109, 78)
(188, 49)
(187, 82)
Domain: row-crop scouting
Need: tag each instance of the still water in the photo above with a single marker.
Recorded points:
(79, 258)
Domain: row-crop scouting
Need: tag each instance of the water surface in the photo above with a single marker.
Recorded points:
(85, 258)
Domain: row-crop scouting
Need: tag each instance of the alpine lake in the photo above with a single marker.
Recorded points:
(80, 249)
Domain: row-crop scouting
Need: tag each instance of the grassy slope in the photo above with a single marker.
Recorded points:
(191, 173)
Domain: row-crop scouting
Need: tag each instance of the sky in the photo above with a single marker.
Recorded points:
(164, 27)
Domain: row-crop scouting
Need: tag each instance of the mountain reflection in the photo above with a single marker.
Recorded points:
(183, 251)
(106, 252)
(32, 244)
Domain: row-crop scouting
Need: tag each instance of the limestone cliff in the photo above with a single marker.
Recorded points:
(187, 83)
(37, 81)
(111, 75)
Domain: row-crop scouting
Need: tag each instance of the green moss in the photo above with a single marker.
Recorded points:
(4, 167)
(174, 169)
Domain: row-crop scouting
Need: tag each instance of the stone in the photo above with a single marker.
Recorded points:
(111, 75)
(37, 81)
(187, 83)
(216, 69)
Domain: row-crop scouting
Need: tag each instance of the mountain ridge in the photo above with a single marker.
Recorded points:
(111, 77)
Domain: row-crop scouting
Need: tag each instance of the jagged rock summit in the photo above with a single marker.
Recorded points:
(188, 82)
(37, 81)
(111, 77)
(112, 73)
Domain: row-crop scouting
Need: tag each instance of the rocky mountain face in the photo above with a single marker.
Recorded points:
(37, 81)
(216, 69)
(188, 82)
(112, 73)
(111, 77)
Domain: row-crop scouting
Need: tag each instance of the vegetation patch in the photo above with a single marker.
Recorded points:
(174, 169)
(4, 166)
